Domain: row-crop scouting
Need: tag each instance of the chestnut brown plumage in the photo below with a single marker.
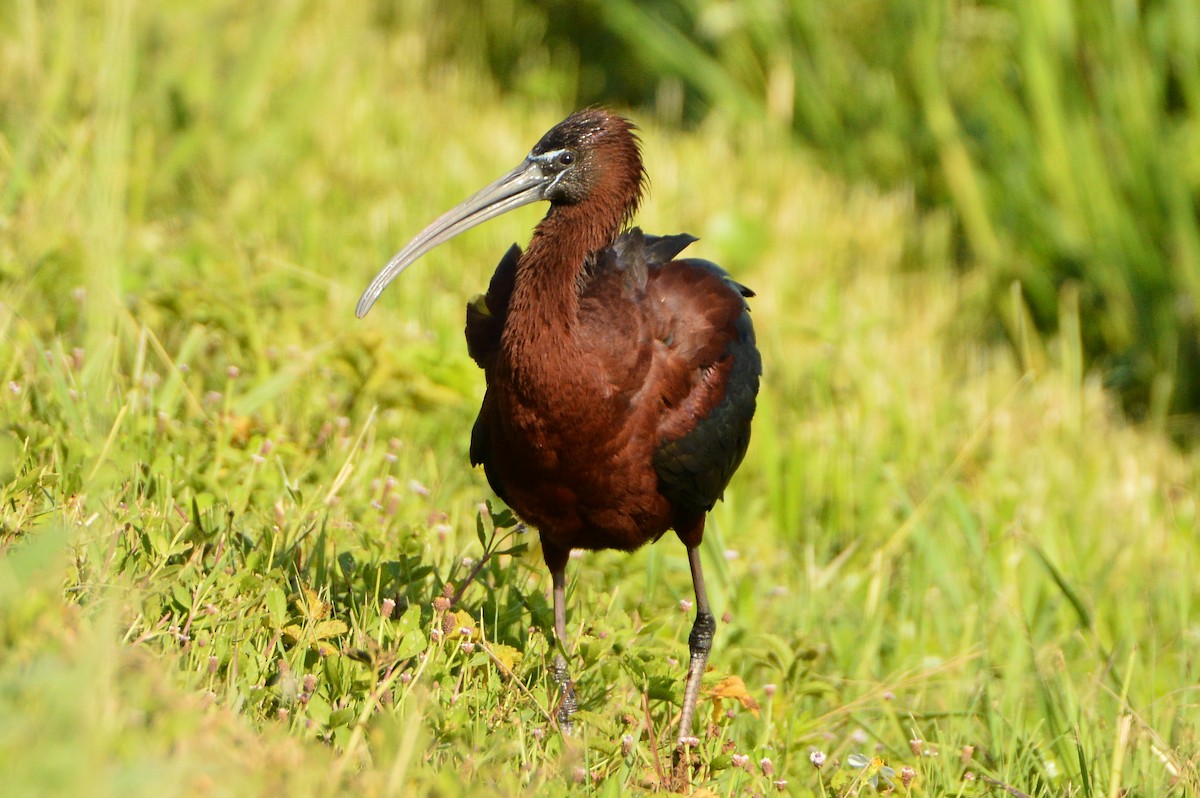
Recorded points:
(621, 381)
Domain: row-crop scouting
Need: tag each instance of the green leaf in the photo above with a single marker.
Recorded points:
(720, 762)
(341, 717)
(276, 602)
(411, 644)
(504, 519)
(480, 532)
(664, 688)
(182, 596)
(409, 622)
(410, 641)
(515, 551)
(318, 709)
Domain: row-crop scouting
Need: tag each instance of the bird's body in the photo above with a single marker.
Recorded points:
(589, 428)
(621, 381)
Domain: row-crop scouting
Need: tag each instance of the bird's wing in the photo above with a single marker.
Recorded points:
(486, 316)
(706, 372)
(487, 313)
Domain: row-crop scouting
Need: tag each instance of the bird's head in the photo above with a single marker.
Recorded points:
(592, 156)
(589, 155)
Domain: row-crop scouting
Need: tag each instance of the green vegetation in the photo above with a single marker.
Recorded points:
(1058, 135)
(228, 509)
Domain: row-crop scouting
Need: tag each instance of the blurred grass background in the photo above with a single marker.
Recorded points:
(226, 506)
(1059, 137)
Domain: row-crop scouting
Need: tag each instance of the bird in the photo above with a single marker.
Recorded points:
(621, 379)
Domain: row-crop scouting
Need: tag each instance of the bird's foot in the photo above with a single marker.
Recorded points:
(700, 643)
(682, 763)
(568, 705)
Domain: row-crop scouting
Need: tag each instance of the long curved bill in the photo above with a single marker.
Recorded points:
(521, 186)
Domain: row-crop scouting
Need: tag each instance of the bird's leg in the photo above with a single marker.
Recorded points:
(700, 643)
(567, 704)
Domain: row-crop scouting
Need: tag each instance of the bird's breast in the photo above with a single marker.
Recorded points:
(574, 460)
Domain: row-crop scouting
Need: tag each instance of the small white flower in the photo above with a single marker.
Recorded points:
(817, 758)
(872, 769)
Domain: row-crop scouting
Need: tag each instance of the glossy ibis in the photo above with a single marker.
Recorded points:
(621, 381)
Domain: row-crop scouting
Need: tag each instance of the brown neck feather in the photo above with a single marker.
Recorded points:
(545, 299)
(539, 334)
(545, 302)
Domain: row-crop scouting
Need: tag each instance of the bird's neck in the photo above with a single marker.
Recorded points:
(543, 314)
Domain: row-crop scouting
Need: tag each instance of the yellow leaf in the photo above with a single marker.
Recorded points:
(464, 625)
(734, 688)
(311, 605)
(507, 656)
(293, 634)
(331, 628)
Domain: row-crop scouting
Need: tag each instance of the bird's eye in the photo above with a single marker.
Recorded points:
(566, 158)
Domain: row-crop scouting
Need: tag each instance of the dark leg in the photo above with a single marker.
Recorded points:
(700, 643)
(567, 703)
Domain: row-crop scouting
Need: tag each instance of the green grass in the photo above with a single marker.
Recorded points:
(227, 507)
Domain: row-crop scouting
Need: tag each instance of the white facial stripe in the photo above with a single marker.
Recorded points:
(547, 158)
